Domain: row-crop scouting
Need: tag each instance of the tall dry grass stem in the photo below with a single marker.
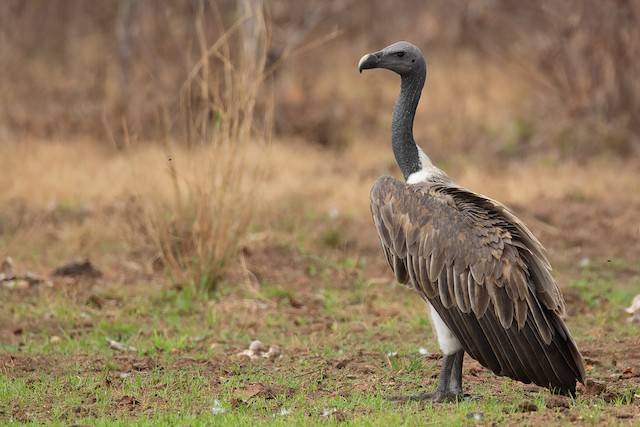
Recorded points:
(197, 230)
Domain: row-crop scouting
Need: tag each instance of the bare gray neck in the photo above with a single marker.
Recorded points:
(404, 146)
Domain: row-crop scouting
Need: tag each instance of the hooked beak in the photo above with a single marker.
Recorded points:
(369, 61)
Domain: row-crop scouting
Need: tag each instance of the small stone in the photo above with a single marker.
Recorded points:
(247, 353)
(283, 412)
(329, 412)
(475, 416)
(554, 401)
(256, 346)
(78, 269)
(334, 413)
(274, 351)
(217, 408)
(119, 346)
(593, 388)
(7, 266)
(634, 310)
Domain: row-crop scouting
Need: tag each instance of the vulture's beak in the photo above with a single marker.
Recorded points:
(369, 61)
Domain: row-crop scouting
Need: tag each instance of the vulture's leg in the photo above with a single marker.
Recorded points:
(455, 381)
(449, 386)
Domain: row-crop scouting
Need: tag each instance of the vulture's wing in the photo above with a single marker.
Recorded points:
(484, 273)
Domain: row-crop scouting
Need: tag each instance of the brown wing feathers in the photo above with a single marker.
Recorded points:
(484, 273)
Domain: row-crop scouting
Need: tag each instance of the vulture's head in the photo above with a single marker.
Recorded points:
(400, 57)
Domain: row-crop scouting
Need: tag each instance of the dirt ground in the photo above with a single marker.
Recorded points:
(589, 237)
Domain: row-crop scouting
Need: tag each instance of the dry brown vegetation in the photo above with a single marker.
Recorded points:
(117, 69)
(202, 144)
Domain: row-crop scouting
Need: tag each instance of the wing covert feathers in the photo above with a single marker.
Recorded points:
(484, 273)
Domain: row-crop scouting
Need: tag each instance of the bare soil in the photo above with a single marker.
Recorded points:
(574, 229)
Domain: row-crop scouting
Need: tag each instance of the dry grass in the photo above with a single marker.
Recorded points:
(187, 192)
(303, 183)
(200, 228)
(193, 199)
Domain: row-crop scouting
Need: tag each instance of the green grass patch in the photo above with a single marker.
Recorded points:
(346, 343)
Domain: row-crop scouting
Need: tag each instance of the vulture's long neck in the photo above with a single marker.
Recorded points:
(404, 146)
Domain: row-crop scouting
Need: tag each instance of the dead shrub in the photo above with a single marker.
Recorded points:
(197, 231)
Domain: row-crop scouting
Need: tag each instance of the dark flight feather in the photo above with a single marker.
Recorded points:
(484, 273)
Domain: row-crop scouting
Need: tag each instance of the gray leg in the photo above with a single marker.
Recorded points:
(449, 386)
(455, 381)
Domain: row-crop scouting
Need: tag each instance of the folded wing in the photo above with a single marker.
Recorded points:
(484, 273)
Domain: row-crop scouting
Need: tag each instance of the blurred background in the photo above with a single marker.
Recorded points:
(197, 128)
(181, 178)
(509, 78)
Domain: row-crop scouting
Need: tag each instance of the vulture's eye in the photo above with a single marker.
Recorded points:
(399, 54)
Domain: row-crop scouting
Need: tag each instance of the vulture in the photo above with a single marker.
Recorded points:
(484, 276)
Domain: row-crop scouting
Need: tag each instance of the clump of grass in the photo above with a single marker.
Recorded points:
(197, 231)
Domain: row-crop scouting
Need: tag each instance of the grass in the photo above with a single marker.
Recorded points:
(163, 396)
(345, 347)
(304, 273)
(331, 308)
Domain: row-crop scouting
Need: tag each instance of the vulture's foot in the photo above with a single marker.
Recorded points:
(449, 387)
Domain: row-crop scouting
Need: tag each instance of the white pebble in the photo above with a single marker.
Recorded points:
(584, 262)
(256, 346)
(329, 412)
(217, 407)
